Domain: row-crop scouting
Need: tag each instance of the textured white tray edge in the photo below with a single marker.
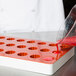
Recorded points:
(63, 60)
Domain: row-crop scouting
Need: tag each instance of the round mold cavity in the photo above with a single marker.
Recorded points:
(44, 50)
(35, 56)
(1, 50)
(32, 48)
(1, 43)
(2, 37)
(22, 54)
(21, 46)
(20, 40)
(56, 52)
(52, 44)
(10, 38)
(65, 47)
(10, 52)
(32, 41)
(10, 44)
(42, 43)
(49, 59)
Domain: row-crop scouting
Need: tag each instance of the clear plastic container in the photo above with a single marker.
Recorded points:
(69, 34)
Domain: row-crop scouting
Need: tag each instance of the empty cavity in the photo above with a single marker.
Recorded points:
(22, 54)
(21, 46)
(10, 52)
(42, 43)
(56, 52)
(34, 56)
(32, 48)
(32, 41)
(2, 37)
(20, 40)
(48, 58)
(1, 50)
(44, 50)
(1, 43)
(52, 44)
(10, 44)
(10, 38)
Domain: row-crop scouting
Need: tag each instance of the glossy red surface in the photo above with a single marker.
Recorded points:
(31, 50)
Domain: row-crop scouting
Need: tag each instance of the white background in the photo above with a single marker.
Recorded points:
(31, 15)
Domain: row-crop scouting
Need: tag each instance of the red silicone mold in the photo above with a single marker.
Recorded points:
(32, 50)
